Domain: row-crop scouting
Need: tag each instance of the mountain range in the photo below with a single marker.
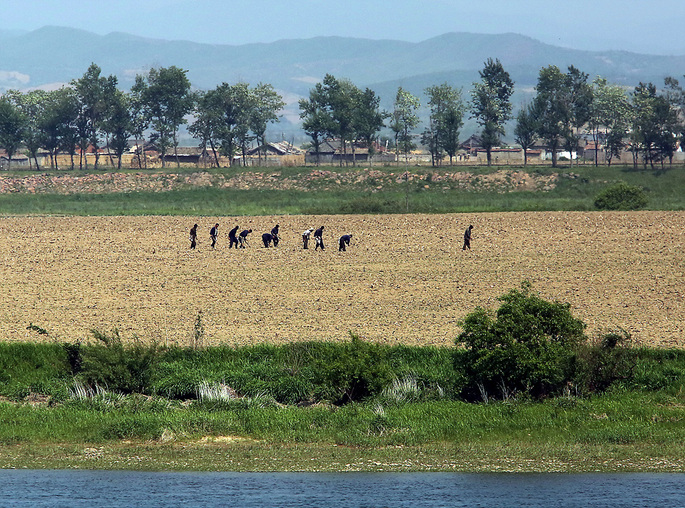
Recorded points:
(51, 56)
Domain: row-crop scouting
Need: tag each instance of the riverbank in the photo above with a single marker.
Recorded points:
(226, 454)
(624, 431)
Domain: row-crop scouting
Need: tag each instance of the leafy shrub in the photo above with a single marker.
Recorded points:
(354, 371)
(621, 196)
(117, 368)
(528, 347)
(608, 359)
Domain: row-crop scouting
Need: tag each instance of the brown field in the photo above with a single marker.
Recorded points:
(404, 280)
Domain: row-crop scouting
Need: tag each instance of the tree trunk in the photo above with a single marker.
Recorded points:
(216, 158)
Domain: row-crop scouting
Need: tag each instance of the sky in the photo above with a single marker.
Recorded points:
(643, 26)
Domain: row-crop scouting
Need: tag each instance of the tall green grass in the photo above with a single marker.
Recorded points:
(626, 418)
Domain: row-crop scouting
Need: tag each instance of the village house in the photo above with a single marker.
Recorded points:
(331, 151)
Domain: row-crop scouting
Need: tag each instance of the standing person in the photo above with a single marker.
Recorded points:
(305, 237)
(193, 236)
(213, 234)
(344, 241)
(274, 235)
(318, 239)
(243, 237)
(233, 240)
(467, 238)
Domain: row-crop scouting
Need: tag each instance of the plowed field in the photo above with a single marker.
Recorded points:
(404, 279)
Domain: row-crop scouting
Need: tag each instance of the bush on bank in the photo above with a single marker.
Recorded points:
(528, 348)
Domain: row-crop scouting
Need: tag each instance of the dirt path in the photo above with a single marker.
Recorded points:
(404, 279)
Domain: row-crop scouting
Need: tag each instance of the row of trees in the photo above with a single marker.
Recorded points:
(92, 111)
(649, 122)
(566, 106)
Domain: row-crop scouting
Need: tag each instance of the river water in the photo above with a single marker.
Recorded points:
(38, 488)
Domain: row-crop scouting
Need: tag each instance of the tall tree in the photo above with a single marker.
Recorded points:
(68, 128)
(445, 121)
(32, 105)
(368, 118)
(90, 89)
(403, 120)
(654, 124)
(12, 123)
(315, 118)
(675, 95)
(490, 103)
(243, 105)
(552, 107)
(140, 117)
(267, 104)
(609, 118)
(50, 124)
(225, 114)
(341, 100)
(118, 123)
(167, 99)
(205, 128)
(525, 131)
(579, 97)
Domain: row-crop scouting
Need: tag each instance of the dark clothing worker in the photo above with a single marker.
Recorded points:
(267, 238)
(467, 238)
(213, 234)
(318, 239)
(344, 241)
(233, 239)
(243, 237)
(274, 235)
(193, 236)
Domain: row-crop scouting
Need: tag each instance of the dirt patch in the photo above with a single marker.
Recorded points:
(371, 179)
(404, 279)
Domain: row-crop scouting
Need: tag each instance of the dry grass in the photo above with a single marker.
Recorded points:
(404, 279)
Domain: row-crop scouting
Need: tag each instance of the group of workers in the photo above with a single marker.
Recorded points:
(239, 241)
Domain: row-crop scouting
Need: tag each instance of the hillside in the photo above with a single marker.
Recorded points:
(50, 56)
(54, 54)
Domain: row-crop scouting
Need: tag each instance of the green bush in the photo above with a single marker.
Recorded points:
(113, 366)
(355, 370)
(621, 196)
(528, 347)
(608, 359)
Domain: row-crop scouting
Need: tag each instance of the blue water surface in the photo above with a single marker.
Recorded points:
(39, 488)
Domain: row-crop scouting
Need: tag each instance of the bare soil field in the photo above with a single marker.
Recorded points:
(404, 279)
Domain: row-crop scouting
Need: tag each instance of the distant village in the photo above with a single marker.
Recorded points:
(285, 154)
(93, 124)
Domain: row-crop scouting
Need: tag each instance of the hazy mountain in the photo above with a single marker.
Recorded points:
(53, 55)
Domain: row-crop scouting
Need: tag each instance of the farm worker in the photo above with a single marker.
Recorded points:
(344, 240)
(232, 238)
(305, 237)
(267, 238)
(243, 237)
(318, 239)
(467, 238)
(274, 235)
(193, 236)
(213, 234)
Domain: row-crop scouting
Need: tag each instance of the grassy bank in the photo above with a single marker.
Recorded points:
(637, 425)
(334, 190)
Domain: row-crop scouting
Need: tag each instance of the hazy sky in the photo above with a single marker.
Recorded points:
(646, 26)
